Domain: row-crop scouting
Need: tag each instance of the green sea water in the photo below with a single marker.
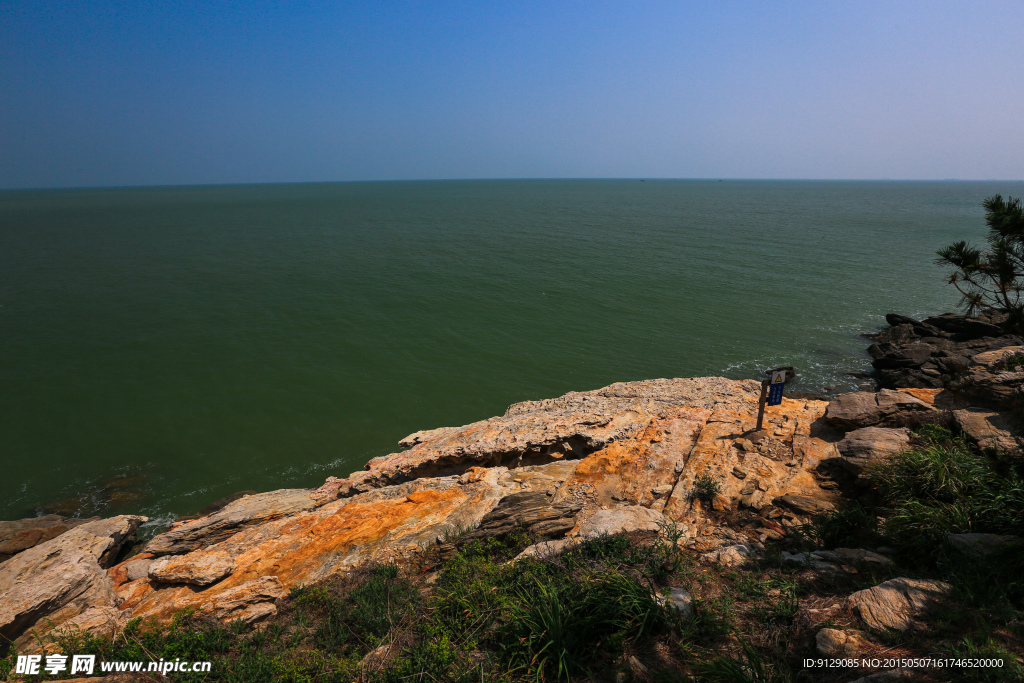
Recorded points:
(161, 348)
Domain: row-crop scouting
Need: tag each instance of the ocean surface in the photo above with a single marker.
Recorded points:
(163, 347)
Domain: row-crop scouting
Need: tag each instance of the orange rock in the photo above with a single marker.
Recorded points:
(937, 398)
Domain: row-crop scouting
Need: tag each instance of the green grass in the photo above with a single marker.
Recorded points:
(941, 488)
(752, 666)
(986, 648)
(581, 614)
(573, 616)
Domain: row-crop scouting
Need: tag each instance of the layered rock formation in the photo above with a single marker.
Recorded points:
(630, 456)
(622, 457)
(953, 351)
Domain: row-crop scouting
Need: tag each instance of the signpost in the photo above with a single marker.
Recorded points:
(771, 394)
(775, 390)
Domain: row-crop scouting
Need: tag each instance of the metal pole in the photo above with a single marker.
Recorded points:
(761, 402)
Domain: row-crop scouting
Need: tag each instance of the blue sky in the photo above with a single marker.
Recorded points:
(142, 93)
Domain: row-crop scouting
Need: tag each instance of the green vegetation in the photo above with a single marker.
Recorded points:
(992, 278)
(594, 610)
(461, 611)
(705, 488)
(943, 486)
(1012, 362)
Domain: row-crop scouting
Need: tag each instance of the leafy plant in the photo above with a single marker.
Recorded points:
(705, 488)
(1012, 362)
(992, 278)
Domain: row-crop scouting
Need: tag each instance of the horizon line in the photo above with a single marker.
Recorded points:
(520, 179)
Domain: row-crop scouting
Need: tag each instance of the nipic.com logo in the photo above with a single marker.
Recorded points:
(86, 664)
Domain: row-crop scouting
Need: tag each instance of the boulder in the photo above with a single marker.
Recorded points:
(22, 534)
(894, 603)
(137, 567)
(993, 358)
(543, 549)
(964, 327)
(895, 319)
(730, 556)
(679, 601)
(532, 511)
(870, 444)
(866, 409)
(239, 514)
(853, 411)
(251, 601)
(987, 429)
(59, 579)
(197, 568)
(833, 642)
(807, 505)
(980, 545)
(619, 520)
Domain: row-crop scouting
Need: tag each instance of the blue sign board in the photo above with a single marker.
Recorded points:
(775, 394)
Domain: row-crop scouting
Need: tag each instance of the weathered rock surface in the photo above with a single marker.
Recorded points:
(618, 520)
(809, 505)
(244, 512)
(894, 603)
(281, 553)
(863, 446)
(678, 600)
(960, 353)
(22, 534)
(572, 426)
(198, 568)
(531, 511)
(832, 642)
(59, 579)
(730, 556)
(867, 409)
(988, 429)
(623, 457)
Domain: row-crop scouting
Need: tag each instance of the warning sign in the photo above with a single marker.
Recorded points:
(778, 376)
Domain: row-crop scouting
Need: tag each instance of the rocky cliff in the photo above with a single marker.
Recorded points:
(625, 456)
(630, 456)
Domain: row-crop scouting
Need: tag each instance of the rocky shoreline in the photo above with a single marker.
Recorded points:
(628, 457)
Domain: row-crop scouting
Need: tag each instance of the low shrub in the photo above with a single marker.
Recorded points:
(705, 488)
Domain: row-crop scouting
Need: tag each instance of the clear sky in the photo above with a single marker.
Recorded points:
(143, 92)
